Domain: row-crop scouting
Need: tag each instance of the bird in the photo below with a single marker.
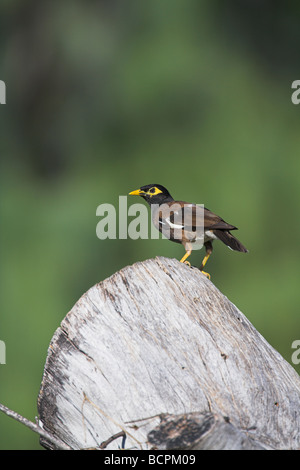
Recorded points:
(191, 225)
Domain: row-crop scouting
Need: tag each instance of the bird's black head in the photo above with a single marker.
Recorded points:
(153, 194)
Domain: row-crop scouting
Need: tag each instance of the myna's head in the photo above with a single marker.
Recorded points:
(153, 194)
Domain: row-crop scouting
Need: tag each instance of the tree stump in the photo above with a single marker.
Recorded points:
(157, 345)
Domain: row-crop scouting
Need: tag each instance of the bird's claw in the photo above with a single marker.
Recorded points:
(205, 274)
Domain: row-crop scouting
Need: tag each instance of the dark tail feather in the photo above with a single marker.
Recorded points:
(230, 240)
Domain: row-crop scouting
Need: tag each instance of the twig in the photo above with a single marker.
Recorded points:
(104, 444)
(35, 428)
(134, 426)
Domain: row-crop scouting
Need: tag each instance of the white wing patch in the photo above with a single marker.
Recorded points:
(210, 235)
(173, 225)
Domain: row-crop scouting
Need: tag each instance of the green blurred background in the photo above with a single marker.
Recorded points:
(106, 96)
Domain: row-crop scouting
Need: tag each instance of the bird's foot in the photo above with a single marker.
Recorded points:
(205, 274)
(185, 262)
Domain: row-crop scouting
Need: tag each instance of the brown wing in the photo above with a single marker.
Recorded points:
(214, 222)
(180, 221)
(178, 214)
(191, 217)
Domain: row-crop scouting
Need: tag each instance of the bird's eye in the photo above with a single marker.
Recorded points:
(152, 190)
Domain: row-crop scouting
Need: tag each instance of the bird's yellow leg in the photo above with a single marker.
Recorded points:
(204, 263)
(183, 259)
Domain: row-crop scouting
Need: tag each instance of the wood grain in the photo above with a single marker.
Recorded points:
(158, 338)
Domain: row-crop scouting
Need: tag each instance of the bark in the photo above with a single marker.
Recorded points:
(158, 341)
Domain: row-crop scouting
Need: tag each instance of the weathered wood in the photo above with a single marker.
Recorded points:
(199, 431)
(159, 337)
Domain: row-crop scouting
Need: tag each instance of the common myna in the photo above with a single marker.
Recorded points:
(188, 224)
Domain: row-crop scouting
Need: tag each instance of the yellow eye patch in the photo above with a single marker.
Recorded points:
(153, 191)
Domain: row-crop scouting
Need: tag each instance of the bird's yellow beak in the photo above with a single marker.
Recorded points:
(137, 192)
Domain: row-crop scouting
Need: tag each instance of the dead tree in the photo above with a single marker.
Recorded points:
(157, 354)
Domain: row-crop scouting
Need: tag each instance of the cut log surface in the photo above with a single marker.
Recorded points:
(155, 340)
